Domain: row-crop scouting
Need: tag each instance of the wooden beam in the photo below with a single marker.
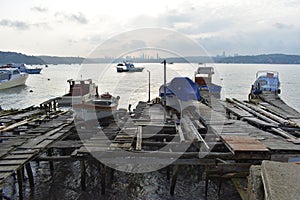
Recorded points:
(139, 138)
(180, 132)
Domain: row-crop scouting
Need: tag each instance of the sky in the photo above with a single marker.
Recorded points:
(77, 28)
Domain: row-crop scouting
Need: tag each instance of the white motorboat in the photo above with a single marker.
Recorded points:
(128, 67)
(11, 77)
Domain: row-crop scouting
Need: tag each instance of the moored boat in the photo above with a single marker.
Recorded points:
(128, 67)
(203, 78)
(266, 81)
(180, 92)
(25, 69)
(78, 90)
(97, 108)
(11, 77)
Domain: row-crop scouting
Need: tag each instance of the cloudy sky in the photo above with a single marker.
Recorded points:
(76, 28)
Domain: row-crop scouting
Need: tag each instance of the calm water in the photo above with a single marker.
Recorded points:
(236, 80)
(64, 183)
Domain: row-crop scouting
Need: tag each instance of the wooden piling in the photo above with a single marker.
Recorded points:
(174, 179)
(50, 153)
(30, 175)
(20, 183)
(103, 178)
(82, 173)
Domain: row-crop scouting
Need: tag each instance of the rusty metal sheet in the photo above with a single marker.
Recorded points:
(243, 143)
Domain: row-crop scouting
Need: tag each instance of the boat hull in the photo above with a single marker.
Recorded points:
(14, 82)
(88, 112)
(34, 71)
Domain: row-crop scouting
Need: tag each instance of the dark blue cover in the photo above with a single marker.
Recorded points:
(183, 88)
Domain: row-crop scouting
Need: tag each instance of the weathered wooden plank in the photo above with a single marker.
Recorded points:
(243, 143)
(12, 162)
(18, 156)
(20, 152)
(43, 144)
(9, 168)
(4, 175)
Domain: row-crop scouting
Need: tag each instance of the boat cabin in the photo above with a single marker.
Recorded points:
(8, 73)
(80, 87)
(266, 81)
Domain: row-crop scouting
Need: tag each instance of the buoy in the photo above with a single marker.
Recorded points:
(30, 90)
(48, 79)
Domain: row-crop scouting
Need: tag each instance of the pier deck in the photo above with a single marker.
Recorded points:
(227, 138)
(27, 135)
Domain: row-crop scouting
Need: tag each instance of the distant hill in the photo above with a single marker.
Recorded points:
(265, 58)
(61, 60)
(12, 57)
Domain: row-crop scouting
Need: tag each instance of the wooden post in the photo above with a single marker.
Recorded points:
(49, 153)
(20, 183)
(174, 179)
(168, 173)
(165, 91)
(206, 180)
(103, 177)
(82, 172)
(30, 175)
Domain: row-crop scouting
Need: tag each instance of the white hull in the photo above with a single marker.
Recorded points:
(67, 100)
(14, 82)
(89, 115)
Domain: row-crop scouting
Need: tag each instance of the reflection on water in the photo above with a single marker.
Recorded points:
(64, 183)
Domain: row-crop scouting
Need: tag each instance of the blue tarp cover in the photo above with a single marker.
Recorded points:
(183, 88)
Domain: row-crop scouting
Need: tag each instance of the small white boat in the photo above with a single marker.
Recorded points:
(128, 67)
(266, 81)
(203, 78)
(11, 77)
(97, 108)
(78, 90)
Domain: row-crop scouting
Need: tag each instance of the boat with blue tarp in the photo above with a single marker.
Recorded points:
(266, 81)
(180, 91)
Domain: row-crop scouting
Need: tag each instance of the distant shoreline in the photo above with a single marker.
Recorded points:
(13, 57)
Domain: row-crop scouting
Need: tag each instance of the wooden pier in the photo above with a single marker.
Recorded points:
(226, 139)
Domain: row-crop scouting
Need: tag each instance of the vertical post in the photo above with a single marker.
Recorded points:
(103, 179)
(165, 90)
(30, 175)
(148, 86)
(49, 153)
(82, 173)
(20, 183)
(174, 179)
(168, 173)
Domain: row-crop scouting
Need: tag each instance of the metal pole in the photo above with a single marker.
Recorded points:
(149, 87)
(165, 90)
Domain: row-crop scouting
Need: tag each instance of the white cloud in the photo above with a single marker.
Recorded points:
(248, 26)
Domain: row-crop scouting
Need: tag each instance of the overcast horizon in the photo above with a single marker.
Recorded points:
(76, 28)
